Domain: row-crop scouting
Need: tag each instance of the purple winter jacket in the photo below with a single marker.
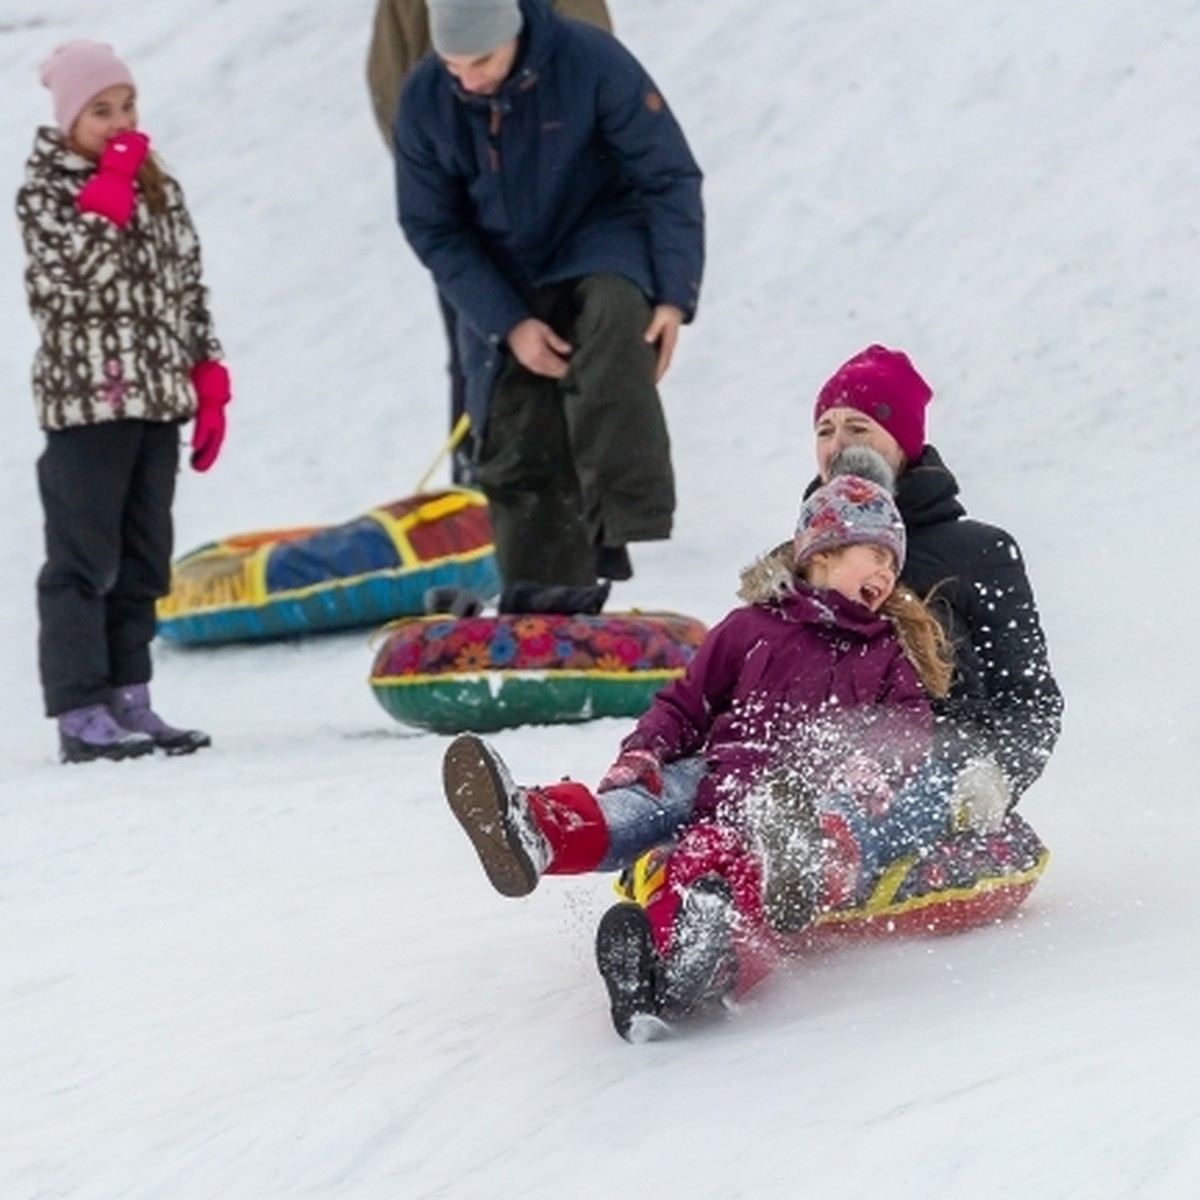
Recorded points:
(797, 682)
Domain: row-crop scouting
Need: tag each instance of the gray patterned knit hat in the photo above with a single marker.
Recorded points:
(854, 508)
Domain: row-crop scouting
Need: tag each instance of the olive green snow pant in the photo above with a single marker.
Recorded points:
(568, 465)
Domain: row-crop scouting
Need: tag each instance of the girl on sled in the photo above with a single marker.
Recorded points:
(783, 771)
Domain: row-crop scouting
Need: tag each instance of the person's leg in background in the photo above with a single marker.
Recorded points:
(525, 469)
(462, 458)
(616, 426)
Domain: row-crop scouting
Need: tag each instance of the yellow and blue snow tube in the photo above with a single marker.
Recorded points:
(290, 582)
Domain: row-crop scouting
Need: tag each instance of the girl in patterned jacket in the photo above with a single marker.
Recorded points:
(788, 767)
(127, 354)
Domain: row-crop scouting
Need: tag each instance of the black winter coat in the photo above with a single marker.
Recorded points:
(1004, 700)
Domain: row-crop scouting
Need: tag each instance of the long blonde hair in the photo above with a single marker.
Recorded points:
(922, 638)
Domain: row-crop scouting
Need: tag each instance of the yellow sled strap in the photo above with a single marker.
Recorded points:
(448, 446)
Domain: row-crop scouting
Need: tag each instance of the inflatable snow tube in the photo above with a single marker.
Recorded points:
(481, 674)
(966, 880)
(288, 582)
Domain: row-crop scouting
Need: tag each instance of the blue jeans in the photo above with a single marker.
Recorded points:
(918, 816)
(638, 820)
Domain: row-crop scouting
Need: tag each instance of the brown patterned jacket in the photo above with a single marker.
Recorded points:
(122, 313)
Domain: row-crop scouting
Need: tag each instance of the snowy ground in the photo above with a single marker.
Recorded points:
(274, 969)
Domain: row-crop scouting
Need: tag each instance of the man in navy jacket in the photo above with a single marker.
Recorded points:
(546, 185)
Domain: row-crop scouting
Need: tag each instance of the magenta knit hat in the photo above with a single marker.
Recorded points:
(76, 72)
(884, 385)
(854, 508)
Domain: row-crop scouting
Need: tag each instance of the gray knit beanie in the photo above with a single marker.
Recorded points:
(472, 26)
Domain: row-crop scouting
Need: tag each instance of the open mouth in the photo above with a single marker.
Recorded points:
(871, 595)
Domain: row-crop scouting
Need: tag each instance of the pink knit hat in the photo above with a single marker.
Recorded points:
(76, 72)
(884, 385)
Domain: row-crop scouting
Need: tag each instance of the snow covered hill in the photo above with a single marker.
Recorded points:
(274, 970)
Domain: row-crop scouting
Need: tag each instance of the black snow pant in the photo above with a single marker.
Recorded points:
(107, 492)
(569, 465)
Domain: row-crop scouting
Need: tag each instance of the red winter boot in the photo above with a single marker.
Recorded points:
(520, 834)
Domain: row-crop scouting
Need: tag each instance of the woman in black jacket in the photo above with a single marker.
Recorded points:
(1002, 718)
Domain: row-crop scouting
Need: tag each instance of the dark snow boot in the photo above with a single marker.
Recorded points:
(90, 733)
(613, 562)
(131, 708)
(495, 815)
(783, 825)
(457, 601)
(630, 966)
(520, 833)
(564, 599)
(700, 970)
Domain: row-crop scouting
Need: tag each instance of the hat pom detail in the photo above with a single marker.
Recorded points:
(866, 464)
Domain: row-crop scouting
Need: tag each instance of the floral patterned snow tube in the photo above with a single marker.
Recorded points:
(486, 673)
(288, 582)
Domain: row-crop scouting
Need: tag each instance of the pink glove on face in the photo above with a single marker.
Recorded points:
(211, 381)
(864, 779)
(110, 192)
(633, 767)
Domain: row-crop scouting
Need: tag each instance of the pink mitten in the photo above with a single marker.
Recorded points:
(633, 767)
(110, 192)
(211, 381)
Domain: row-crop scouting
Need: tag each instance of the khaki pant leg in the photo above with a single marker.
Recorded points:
(615, 422)
(526, 471)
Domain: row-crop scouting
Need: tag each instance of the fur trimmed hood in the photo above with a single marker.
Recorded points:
(770, 578)
(770, 583)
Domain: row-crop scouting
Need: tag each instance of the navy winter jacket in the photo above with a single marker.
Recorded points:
(574, 167)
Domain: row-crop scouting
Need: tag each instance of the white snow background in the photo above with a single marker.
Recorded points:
(275, 969)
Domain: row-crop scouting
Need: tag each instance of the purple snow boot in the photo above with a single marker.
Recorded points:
(131, 707)
(88, 733)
